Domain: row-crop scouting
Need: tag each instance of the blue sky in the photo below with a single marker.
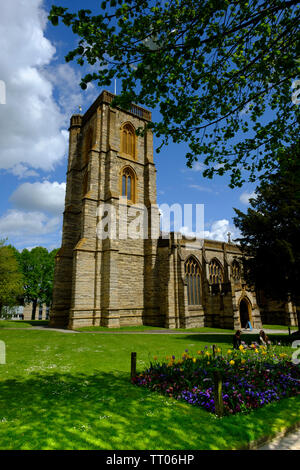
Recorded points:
(42, 92)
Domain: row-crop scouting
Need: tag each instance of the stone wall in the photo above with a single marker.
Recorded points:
(219, 307)
(108, 282)
(277, 313)
(123, 281)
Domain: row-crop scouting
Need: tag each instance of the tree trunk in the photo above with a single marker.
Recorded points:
(34, 304)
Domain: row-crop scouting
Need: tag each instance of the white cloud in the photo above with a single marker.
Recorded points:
(219, 231)
(40, 197)
(200, 188)
(188, 233)
(244, 197)
(21, 171)
(36, 217)
(30, 229)
(198, 166)
(17, 223)
(31, 131)
(70, 96)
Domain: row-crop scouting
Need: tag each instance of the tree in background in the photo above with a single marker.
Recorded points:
(271, 233)
(222, 73)
(11, 281)
(37, 267)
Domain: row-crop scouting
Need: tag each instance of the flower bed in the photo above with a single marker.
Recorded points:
(251, 377)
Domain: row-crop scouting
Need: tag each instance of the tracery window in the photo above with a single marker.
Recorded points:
(236, 271)
(128, 184)
(193, 277)
(215, 272)
(128, 138)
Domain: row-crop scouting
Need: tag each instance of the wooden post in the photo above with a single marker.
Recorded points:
(133, 365)
(219, 406)
(214, 350)
(289, 331)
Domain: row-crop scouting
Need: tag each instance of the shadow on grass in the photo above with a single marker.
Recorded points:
(100, 411)
(284, 340)
(105, 411)
(37, 322)
(22, 323)
(215, 339)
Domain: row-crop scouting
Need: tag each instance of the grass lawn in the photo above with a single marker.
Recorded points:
(73, 391)
(279, 327)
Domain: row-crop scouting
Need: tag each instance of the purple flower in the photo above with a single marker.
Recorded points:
(253, 386)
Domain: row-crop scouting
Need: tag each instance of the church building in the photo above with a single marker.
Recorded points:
(113, 281)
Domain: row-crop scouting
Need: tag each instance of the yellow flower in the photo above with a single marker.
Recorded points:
(231, 362)
(218, 350)
(229, 351)
(282, 355)
(207, 353)
(243, 361)
(208, 362)
(199, 352)
(256, 350)
(194, 359)
(241, 347)
(155, 358)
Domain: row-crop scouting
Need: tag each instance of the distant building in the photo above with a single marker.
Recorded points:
(25, 312)
(15, 313)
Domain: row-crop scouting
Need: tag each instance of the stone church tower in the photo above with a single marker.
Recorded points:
(114, 267)
(95, 278)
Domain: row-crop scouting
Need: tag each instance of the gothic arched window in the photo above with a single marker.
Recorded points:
(128, 138)
(193, 277)
(128, 184)
(215, 272)
(236, 271)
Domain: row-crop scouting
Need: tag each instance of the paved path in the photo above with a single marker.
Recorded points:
(289, 442)
(30, 328)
